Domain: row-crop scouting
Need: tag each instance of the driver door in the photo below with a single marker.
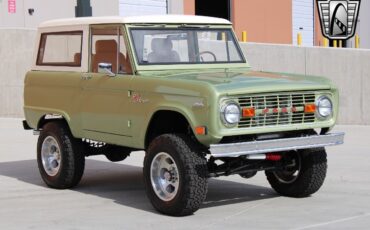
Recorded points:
(105, 98)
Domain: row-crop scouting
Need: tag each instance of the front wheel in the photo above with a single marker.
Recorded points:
(59, 156)
(303, 176)
(175, 175)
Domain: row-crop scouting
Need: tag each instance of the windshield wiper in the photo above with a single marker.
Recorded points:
(193, 26)
(149, 25)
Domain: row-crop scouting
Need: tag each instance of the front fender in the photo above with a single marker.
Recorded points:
(193, 100)
(195, 116)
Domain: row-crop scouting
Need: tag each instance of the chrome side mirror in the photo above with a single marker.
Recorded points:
(106, 68)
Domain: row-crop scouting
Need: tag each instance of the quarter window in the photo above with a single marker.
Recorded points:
(60, 49)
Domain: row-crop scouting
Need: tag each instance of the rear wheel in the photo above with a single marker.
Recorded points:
(303, 177)
(59, 156)
(175, 175)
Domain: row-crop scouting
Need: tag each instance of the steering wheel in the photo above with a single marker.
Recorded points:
(207, 52)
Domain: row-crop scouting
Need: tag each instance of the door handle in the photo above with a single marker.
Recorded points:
(86, 77)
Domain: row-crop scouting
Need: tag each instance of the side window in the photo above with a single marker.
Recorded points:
(108, 46)
(60, 49)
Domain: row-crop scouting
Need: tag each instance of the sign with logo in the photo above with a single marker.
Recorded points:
(338, 18)
(12, 6)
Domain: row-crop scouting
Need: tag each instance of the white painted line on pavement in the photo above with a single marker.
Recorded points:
(211, 225)
(333, 221)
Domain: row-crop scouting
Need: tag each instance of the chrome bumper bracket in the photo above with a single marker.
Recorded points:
(276, 145)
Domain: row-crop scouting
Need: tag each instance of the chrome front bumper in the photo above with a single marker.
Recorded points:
(275, 145)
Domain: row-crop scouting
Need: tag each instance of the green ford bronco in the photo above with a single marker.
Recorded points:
(180, 88)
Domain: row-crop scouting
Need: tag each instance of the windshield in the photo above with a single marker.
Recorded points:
(185, 46)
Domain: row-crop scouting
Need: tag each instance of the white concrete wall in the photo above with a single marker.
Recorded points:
(104, 7)
(49, 9)
(44, 10)
(16, 52)
(54, 9)
(349, 69)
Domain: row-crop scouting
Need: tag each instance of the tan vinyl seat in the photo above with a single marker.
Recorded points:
(77, 59)
(106, 52)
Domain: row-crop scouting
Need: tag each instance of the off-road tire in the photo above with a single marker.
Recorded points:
(193, 174)
(310, 178)
(72, 160)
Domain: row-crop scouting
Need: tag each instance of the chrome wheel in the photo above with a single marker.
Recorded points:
(50, 156)
(291, 174)
(164, 176)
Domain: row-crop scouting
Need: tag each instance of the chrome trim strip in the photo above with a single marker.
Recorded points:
(276, 145)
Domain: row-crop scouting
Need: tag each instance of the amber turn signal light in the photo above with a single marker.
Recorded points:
(310, 108)
(201, 130)
(249, 112)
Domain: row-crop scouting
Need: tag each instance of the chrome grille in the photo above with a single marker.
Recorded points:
(277, 109)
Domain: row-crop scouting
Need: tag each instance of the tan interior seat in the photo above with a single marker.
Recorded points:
(77, 59)
(162, 52)
(106, 52)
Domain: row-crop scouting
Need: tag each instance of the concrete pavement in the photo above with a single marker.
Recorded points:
(112, 196)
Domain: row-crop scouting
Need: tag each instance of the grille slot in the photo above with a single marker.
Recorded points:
(277, 109)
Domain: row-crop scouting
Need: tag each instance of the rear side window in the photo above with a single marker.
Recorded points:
(60, 49)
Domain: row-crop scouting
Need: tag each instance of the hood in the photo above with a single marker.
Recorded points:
(253, 82)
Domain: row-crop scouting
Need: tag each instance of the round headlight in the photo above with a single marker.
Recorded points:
(324, 107)
(231, 113)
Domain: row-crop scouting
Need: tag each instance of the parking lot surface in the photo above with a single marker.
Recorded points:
(112, 196)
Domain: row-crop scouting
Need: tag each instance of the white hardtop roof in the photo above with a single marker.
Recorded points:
(148, 19)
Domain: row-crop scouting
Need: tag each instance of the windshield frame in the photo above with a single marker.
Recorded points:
(187, 65)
